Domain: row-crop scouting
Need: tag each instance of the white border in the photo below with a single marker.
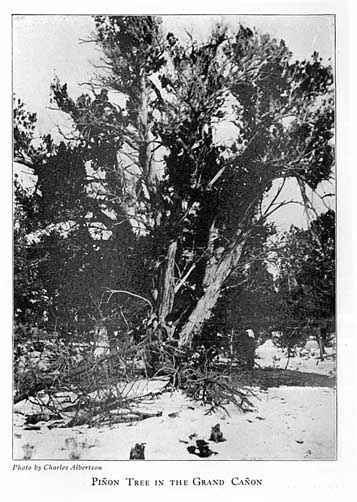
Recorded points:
(292, 480)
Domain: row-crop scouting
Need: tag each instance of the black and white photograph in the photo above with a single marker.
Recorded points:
(174, 232)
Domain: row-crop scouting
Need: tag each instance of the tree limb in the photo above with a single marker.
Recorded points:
(114, 291)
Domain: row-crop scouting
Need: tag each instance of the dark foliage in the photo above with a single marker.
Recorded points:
(143, 219)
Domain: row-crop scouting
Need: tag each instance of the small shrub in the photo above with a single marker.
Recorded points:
(28, 451)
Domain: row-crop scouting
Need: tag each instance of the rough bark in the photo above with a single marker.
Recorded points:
(168, 286)
(145, 127)
(217, 272)
(147, 160)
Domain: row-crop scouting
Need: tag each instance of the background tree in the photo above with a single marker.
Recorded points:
(306, 282)
(63, 257)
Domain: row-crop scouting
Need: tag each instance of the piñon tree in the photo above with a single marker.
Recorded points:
(155, 160)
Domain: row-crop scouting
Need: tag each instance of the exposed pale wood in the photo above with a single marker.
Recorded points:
(217, 272)
(168, 286)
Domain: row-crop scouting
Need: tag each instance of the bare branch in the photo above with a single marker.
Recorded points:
(280, 205)
(226, 288)
(185, 277)
(24, 162)
(215, 178)
(275, 196)
(122, 291)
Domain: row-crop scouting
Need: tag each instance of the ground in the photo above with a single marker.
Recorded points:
(293, 419)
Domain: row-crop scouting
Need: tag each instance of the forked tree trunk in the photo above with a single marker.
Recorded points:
(217, 272)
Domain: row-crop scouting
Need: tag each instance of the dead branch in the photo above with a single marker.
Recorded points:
(135, 295)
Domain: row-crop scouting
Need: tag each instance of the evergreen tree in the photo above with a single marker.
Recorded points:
(150, 164)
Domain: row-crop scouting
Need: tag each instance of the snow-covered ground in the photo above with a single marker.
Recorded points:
(306, 359)
(288, 423)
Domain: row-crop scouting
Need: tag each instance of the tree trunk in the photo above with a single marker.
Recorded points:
(101, 340)
(149, 158)
(217, 272)
(145, 147)
(147, 155)
(320, 342)
(168, 286)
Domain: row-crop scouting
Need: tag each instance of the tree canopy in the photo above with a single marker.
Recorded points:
(307, 273)
(147, 204)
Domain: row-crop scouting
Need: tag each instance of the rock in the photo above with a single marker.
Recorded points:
(217, 434)
(202, 450)
(137, 452)
(201, 443)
